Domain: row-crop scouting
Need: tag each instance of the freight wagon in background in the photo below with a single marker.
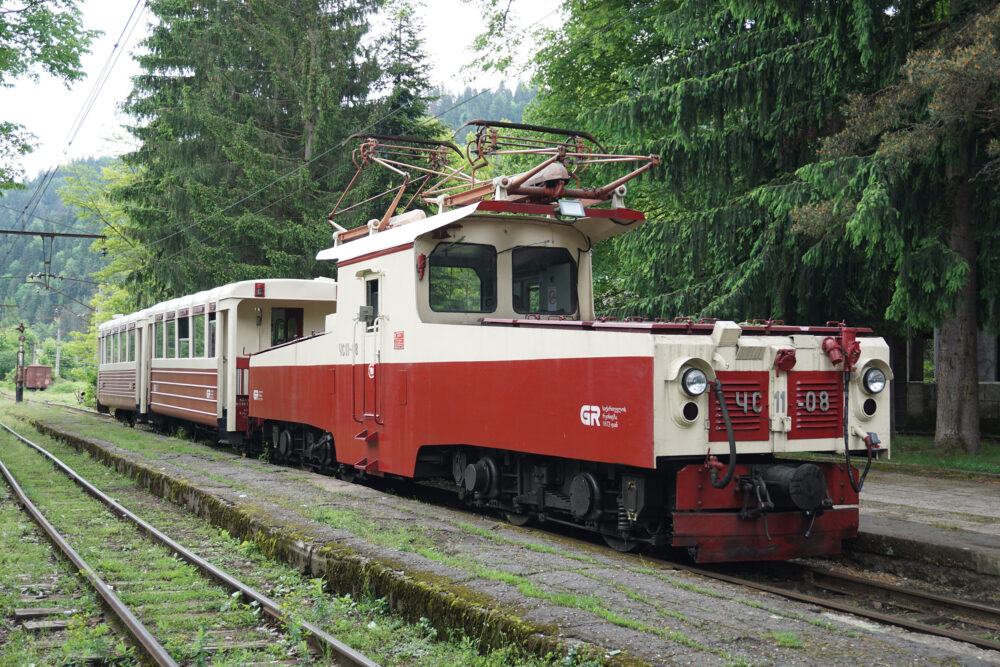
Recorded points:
(37, 376)
(463, 345)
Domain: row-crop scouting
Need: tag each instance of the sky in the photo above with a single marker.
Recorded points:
(49, 109)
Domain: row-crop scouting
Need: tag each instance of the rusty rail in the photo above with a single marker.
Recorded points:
(319, 639)
(153, 649)
(888, 619)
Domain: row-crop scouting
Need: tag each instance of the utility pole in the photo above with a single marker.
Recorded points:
(58, 319)
(19, 385)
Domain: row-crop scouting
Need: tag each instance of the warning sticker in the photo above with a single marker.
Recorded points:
(397, 340)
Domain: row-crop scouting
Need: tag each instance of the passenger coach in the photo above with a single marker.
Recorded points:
(186, 359)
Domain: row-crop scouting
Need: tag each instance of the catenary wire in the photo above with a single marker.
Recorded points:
(42, 185)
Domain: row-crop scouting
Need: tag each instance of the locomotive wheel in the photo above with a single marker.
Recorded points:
(517, 519)
(621, 545)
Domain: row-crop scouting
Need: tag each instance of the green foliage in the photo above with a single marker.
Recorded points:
(734, 97)
(903, 152)
(240, 113)
(8, 350)
(34, 36)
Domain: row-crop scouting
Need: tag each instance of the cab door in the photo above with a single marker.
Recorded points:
(366, 373)
(371, 405)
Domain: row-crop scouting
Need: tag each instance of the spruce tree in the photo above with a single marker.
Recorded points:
(912, 178)
(750, 217)
(240, 111)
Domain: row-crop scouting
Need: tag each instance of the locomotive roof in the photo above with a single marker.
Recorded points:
(318, 289)
(596, 226)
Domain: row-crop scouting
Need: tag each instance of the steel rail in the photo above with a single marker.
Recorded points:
(954, 605)
(320, 640)
(839, 606)
(133, 625)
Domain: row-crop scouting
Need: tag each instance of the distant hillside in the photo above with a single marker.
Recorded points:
(23, 255)
(502, 104)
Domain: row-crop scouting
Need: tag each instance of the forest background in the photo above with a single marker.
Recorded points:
(821, 161)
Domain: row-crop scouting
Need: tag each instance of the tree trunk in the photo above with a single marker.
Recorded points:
(957, 372)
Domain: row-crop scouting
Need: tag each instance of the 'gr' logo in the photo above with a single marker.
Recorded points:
(590, 415)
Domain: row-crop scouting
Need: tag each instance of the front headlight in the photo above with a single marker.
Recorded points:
(873, 380)
(694, 382)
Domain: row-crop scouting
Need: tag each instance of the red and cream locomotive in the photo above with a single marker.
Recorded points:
(464, 345)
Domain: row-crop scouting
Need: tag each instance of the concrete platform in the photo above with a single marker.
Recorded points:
(932, 518)
(502, 584)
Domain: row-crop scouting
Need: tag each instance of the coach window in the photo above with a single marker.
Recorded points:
(183, 337)
(286, 324)
(158, 345)
(107, 348)
(211, 335)
(544, 280)
(198, 329)
(171, 339)
(131, 345)
(463, 278)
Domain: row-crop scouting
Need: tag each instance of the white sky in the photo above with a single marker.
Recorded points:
(48, 108)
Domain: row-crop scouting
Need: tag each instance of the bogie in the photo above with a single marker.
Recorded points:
(625, 506)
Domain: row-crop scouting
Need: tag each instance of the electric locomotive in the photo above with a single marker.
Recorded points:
(465, 346)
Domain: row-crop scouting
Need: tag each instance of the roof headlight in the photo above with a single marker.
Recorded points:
(873, 380)
(694, 382)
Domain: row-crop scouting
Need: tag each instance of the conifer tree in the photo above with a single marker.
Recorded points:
(913, 179)
(240, 111)
(750, 218)
(404, 65)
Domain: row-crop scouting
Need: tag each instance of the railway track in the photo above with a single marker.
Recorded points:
(904, 607)
(909, 608)
(246, 626)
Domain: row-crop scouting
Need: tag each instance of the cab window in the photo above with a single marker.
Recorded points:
(286, 324)
(544, 280)
(463, 278)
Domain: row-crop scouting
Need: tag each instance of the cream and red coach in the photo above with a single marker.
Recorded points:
(186, 359)
(466, 346)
